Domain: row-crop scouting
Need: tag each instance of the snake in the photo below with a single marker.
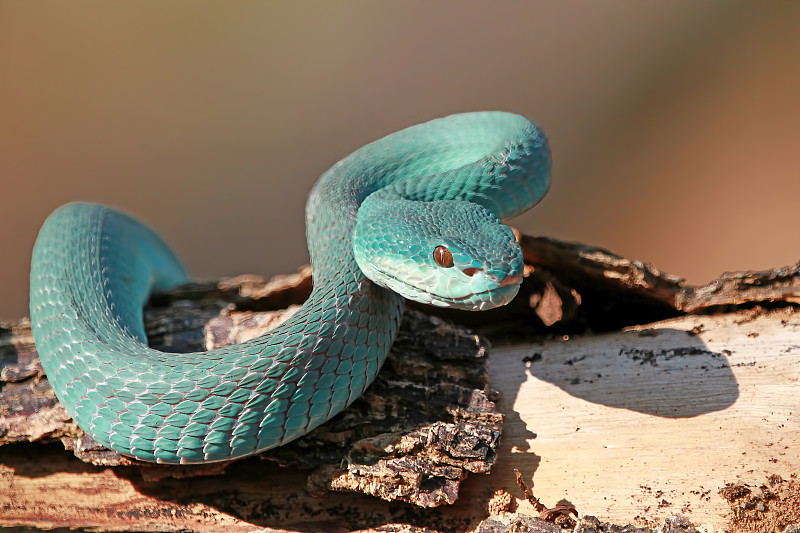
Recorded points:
(414, 215)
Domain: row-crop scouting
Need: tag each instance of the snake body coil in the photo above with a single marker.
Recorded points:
(373, 221)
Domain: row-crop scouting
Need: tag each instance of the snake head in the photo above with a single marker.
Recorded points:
(444, 253)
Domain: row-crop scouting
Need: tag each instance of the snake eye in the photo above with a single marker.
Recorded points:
(442, 256)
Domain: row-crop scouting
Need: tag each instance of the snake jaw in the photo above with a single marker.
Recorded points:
(481, 291)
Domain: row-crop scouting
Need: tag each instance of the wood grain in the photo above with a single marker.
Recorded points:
(638, 425)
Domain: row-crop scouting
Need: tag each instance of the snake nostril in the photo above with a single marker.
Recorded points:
(471, 271)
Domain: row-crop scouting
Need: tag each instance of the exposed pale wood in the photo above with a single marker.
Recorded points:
(653, 421)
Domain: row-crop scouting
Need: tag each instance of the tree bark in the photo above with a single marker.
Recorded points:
(419, 445)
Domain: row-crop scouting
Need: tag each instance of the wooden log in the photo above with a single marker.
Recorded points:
(632, 425)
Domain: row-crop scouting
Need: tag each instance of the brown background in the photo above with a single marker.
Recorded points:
(674, 125)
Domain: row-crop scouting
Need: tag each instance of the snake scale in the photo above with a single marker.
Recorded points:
(415, 215)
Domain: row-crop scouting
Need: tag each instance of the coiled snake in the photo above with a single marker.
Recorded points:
(415, 214)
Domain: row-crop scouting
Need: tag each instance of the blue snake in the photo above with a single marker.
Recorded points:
(413, 215)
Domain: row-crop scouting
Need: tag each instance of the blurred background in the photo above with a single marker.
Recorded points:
(674, 125)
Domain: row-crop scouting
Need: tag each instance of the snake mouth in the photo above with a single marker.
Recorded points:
(497, 297)
(481, 301)
(500, 295)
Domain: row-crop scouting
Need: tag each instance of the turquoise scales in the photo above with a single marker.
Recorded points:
(373, 222)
